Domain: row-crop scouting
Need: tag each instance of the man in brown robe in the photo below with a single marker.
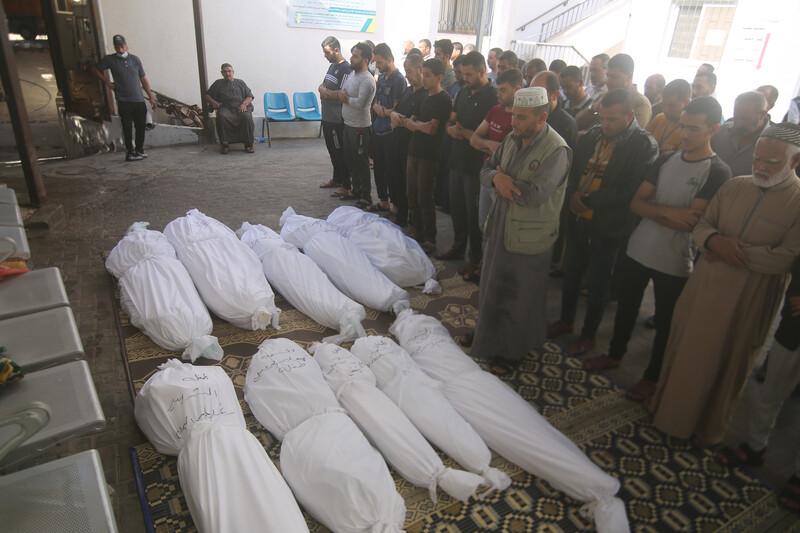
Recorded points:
(750, 237)
(232, 100)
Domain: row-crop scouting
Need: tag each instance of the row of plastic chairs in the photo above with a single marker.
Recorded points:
(277, 109)
(55, 402)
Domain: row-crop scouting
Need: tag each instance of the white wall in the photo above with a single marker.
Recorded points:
(252, 35)
(522, 11)
(270, 56)
(162, 35)
(631, 21)
(739, 71)
(599, 33)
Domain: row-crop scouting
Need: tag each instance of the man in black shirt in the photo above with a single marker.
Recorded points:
(427, 125)
(472, 103)
(401, 136)
(557, 118)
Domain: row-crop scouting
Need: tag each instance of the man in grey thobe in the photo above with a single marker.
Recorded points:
(528, 172)
(232, 100)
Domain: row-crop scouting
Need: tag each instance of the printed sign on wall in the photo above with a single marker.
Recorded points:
(349, 15)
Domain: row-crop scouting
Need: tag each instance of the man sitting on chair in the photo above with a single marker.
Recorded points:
(232, 100)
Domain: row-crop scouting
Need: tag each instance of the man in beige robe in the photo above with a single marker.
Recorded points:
(750, 237)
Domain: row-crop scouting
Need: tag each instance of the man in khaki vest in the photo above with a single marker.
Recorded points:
(528, 173)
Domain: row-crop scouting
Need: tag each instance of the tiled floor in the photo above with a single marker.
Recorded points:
(102, 195)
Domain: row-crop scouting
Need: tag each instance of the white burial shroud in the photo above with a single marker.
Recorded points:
(399, 257)
(229, 481)
(508, 423)
(226, 272)
(420, 397)
(385, 425)
(333, 470)
(303, 284)
(158, 295)
(343, 262)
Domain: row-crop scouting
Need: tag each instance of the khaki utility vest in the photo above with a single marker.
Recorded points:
(532, 230)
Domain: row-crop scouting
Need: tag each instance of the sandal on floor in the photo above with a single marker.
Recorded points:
(697, 442)
(473, 275)
(394, 219)
(744, 455)
(347, 196)
(225, 149)
(500, 366)
(249, 149)
(466, 339)
(601, 362)
(469, 267)
(363, 204)
(449, 254)
(377, 208)
(790, 495)
(643, 390)
(428, 247)
(330, 184)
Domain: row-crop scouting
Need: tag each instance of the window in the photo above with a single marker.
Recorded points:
(461, 16)
(701, 29)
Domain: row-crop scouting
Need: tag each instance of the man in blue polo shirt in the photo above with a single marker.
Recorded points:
(129, 80)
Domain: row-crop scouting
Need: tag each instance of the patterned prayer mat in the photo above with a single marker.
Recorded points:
(666, 484)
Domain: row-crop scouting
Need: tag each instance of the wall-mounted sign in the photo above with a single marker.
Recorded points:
(349, 15)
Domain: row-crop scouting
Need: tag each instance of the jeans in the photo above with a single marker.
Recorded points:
(132, 114)
(357, 142)
(334, 141)
(634, 278)
(594, 257)
(464, 211)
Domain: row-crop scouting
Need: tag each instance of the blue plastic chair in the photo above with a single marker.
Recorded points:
(276, 108)
(306, 107)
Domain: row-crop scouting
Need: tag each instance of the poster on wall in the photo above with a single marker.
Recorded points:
(348, 15)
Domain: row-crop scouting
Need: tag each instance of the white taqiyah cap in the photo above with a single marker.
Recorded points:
(531, 97)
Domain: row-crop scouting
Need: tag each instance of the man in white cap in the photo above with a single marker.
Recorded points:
(750, 237)
(529, 175)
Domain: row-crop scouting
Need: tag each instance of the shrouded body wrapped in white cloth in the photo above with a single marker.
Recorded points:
(345, 264)
(508, 423)
(225, 271)
(419, 396)
(400, 258)
(157, 293)
(303, 284)
(333, 470)
(229, 481)
(387, 427)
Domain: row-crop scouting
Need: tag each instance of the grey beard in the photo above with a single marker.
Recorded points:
(776, 179)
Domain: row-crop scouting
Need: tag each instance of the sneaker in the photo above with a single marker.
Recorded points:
(133, 156)
(141, 154)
